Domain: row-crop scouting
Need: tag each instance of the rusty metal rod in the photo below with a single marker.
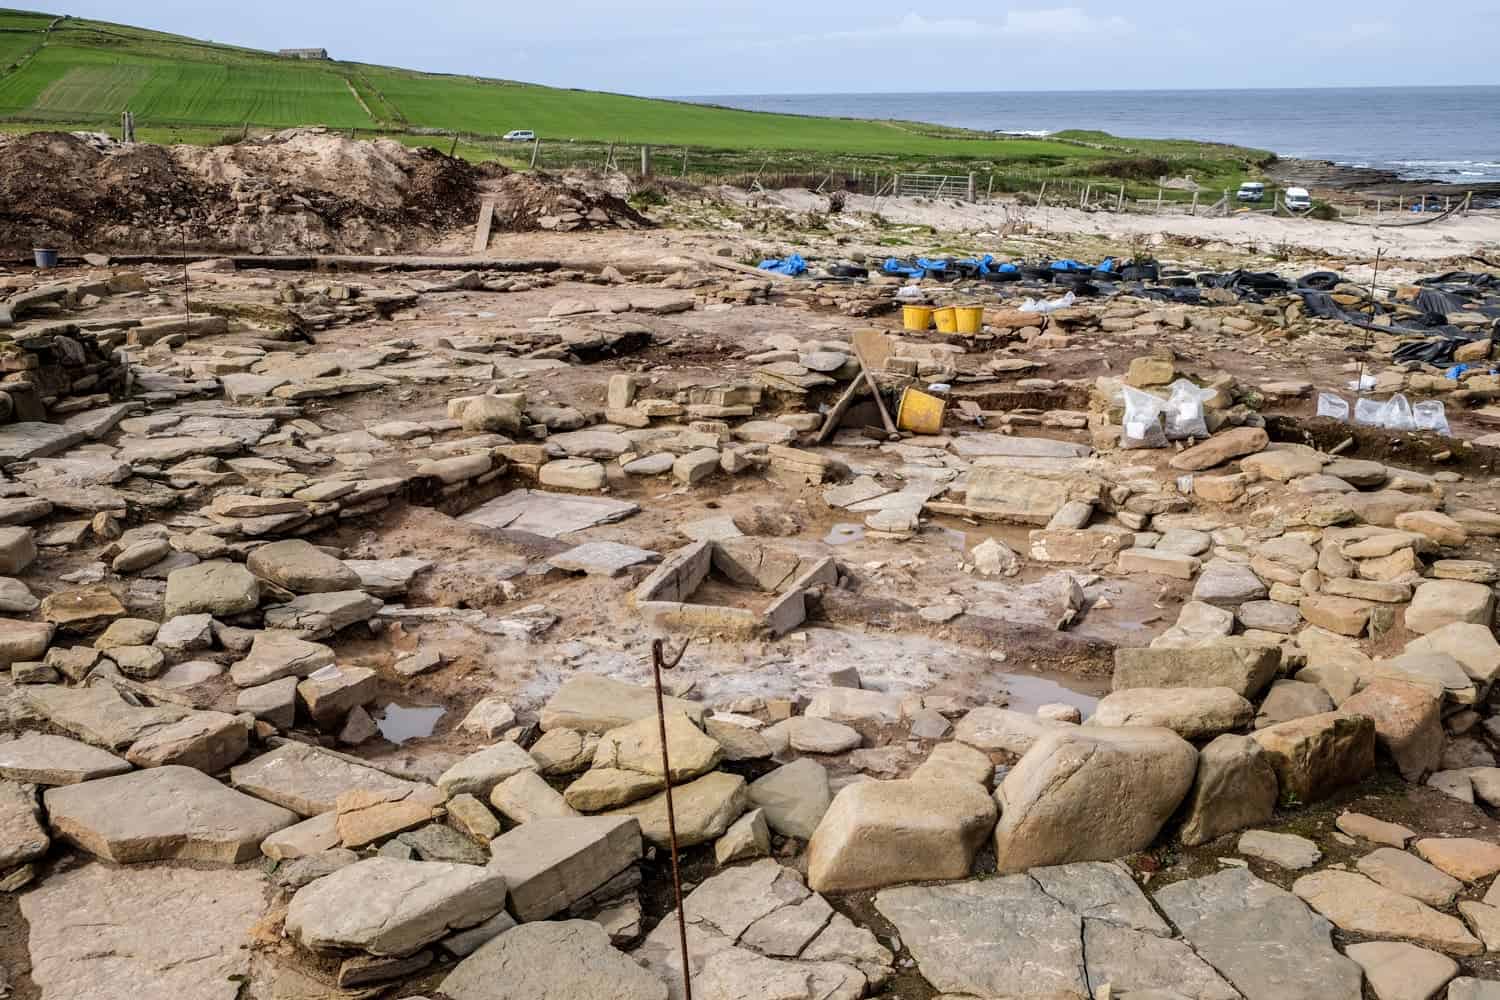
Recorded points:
(659, 663)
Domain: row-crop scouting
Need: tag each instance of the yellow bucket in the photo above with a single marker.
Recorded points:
(970, 319)
(947, 319)
(920, 412)
(917, 318)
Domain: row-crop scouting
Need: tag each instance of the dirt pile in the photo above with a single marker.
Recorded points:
(298, 190)
(528, 202)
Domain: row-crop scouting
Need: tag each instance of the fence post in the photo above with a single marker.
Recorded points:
(536, 149)
(1195, 203)
(645, 161)
(895, 185)
(971, 186)
(1158, 199)
(609, 156)
(684, 160)
(989, 191)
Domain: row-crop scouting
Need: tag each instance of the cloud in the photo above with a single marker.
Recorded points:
(1042, 24)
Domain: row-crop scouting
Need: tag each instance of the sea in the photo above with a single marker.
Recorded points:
(1446, 134)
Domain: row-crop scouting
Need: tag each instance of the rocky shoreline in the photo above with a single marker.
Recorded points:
(1325, 175)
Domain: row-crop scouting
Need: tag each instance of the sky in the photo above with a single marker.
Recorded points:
(714, 47)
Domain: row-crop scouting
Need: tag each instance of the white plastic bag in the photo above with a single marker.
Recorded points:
(1143, 426)
(1362, 384)
(1396, 414)
(1048, 306)
(1367, 411)
(1333, 406)
(1430, 416)
(1185, 411)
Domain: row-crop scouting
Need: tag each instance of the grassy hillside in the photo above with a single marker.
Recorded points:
(67, 72)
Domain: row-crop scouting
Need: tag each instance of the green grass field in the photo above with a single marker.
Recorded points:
(83, 74)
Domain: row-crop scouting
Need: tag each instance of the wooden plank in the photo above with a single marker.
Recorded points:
(482, 228)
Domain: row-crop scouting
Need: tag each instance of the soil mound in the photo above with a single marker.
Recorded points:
(527, 202)
(296, 191)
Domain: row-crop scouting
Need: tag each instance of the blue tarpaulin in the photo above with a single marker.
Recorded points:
(1069, 265)
(893, 265)
(793, 265)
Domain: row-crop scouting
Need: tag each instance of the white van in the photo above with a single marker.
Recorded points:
(519, 135)
(1298, 200)
(1251, 191)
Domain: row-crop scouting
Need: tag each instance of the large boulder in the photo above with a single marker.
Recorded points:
(1243, 666)
(703, 809)
(1319, 754)
(564, 958)
(1091, 794)
(1472, 645)
(301, 567)
(1235, 788)
(392, 908)
(1190, 712)
(1437, 603)
(217, 588)
(637, 748)
(879, 833)
(1408, 723)
(794, 797)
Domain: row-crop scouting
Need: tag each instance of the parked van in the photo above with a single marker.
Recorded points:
(1298, 199)
(519, 135)
(1251, 191)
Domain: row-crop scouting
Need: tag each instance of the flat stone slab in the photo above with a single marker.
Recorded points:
(998, 937)
(98, 714)
(549, 864)
(1101, 890)
(164, 813)
(602, 558)
(308, 781)
(1285, 850)
(389, 907)
(539, 512)
(101, 933)
(598, 704)
(566, 958)
(1399, 971)
(1261, 938)
(990, 445)
(56, 760)
(33, 438)
(1356, 904)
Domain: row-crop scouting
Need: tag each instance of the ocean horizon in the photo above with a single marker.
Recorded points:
(1448, 134)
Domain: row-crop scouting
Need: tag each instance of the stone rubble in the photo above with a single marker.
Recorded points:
(360, 572)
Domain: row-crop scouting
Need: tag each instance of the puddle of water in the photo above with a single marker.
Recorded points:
(844, 533)
(1028, 692)
(399, 723)
(952, 539)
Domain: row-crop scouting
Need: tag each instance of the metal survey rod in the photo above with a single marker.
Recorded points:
(659, 662)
